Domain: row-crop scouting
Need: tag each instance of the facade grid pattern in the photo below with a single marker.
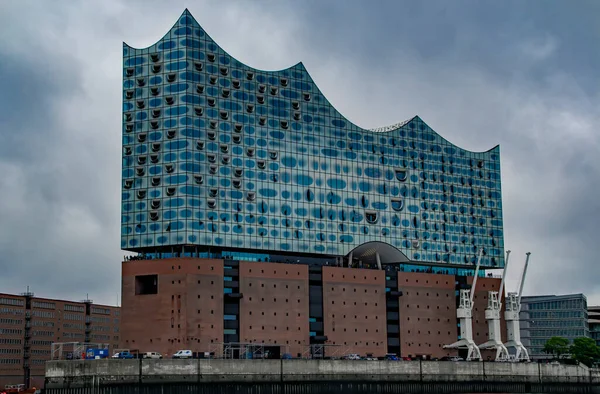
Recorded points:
(543, 317)
(220, 155)
(30, 325)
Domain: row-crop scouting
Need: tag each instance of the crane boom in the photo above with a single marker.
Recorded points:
(523, 277)
(501, 290)
(476, 274)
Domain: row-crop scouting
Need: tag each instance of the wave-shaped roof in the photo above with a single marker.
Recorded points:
(187, 22)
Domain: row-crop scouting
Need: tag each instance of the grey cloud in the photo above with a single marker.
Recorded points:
(518, 74)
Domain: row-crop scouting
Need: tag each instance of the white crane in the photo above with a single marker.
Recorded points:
(492, 315)
(513, 308)
(464, 313)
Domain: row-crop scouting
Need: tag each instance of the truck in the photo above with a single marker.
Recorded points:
(96, 354)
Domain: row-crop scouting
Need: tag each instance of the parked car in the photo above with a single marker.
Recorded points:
(286, 356)
(183, 354)
(457, 358)
(155, 355)
(125, 355)
(116, 355)
(391, 357)
(353, 356)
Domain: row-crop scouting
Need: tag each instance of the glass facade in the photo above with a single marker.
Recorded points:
(543, 317)
(219, 156)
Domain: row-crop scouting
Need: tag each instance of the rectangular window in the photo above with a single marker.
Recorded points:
(146, 284)
(74, 308)
(10, 331)
(229, 317)
(44, 305)
(10, 311)
(73, 316)
(102, 311)
(12, 301)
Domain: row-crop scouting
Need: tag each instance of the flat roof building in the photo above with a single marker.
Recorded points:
(254, 204)
(547, 316)
(594, 323)
(29, 326)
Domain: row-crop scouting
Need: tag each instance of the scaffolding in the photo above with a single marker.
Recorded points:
(247, 350)
(321, 351)
(74, 350)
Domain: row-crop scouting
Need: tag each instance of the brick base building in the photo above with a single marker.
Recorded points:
(202, 304)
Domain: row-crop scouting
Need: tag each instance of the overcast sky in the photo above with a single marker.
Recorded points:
(520, 74)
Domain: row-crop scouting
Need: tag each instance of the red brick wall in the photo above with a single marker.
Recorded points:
(9, 372)
(187, 312)
(274, 307)
(354, 310)
(50, 323)
(427, 314)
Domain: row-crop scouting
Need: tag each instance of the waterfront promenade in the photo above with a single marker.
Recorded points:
(314, 376)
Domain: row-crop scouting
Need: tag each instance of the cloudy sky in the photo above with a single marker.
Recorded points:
(520, 74)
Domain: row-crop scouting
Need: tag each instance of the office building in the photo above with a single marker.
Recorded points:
(261, 213)
(29, 326)
(544, 317)
(594, 323)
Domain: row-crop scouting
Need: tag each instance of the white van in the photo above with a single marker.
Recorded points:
(183, 354)
(155, 355)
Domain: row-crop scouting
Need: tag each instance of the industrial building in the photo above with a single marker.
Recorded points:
(547, 316)
(262, 216)
(29, 326)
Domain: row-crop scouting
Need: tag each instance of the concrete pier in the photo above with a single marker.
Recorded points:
(283, 376)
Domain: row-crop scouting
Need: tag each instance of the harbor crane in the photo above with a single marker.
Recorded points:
(513, 308)
(464, 313)
(492, 315)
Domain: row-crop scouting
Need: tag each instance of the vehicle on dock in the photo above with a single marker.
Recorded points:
(18, 388)
(125, 355)
(96, 354)
(153, 355)
(183, 354)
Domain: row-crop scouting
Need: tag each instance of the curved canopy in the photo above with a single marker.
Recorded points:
(387, 253)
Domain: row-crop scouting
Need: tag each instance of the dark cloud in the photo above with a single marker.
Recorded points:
(481, 73)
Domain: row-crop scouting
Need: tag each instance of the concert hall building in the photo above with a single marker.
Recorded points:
(261, 215)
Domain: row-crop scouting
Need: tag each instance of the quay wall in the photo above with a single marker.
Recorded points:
(101, 373)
